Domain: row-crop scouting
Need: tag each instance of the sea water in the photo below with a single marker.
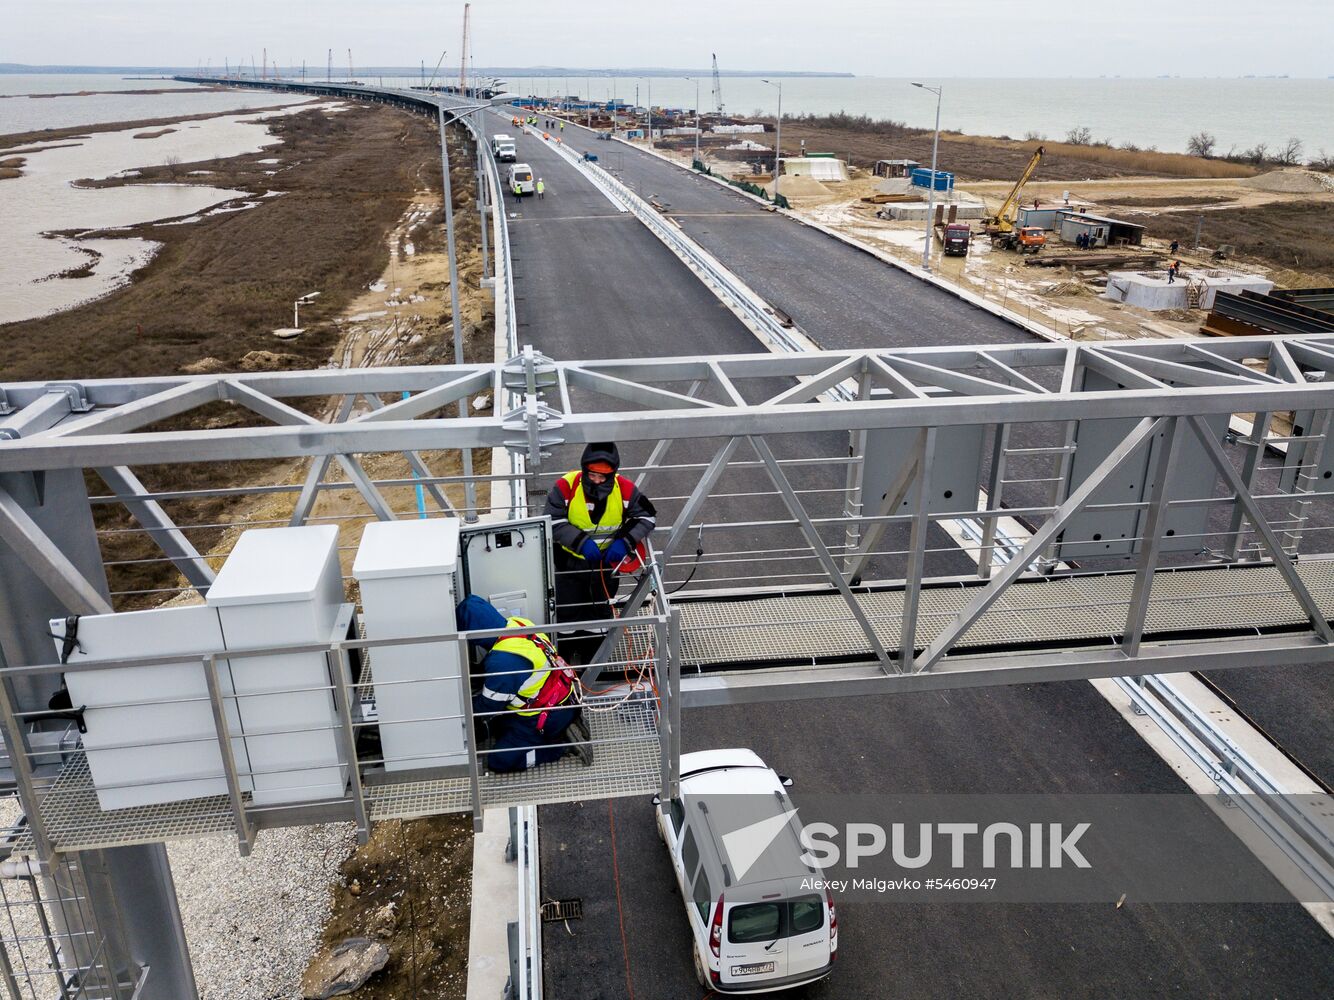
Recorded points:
(44, 200)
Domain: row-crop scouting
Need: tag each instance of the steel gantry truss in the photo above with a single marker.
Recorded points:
(1150, 404)
(827, 572)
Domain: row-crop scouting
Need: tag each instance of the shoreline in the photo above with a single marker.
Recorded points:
(11, 143)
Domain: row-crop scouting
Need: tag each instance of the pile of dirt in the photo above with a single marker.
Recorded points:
(1292, 181)
(410, 887)
(268, 361)
(1070, 286)
(803, 187)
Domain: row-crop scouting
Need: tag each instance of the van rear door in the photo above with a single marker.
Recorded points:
(754, 946)
(807, 931)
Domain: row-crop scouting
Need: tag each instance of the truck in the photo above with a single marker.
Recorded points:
(502, 146)
(954, 238)
(1002, 228)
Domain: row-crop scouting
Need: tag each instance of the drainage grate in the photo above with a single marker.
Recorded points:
(562, 909)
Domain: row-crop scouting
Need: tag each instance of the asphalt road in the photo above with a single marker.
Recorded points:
(1056, 739)
(591, 284)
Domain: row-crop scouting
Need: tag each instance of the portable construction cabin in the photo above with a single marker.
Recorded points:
(1044, 217)
(895, 168)
(1104, 230)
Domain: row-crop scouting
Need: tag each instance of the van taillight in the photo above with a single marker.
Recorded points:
(833, 920)
(716, 929)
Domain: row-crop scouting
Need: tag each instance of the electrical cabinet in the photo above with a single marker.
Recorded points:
(956, 466)
(509, 563)
(183, 760)
(283, 586)
(406, 570)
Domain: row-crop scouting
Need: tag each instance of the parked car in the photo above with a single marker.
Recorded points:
(757, 926)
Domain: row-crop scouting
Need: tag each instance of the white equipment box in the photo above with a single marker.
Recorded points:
(151, 736)
(284, 586)
(185, 761)
(406, 571)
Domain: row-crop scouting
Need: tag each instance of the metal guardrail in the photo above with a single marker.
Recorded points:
(1240, 779)
(525, 933)
(506, 316)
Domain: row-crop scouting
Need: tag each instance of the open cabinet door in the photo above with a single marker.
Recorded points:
(509, 563)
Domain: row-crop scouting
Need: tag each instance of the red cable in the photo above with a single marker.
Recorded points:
(620, 914)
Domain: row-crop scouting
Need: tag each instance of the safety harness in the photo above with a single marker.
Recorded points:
(552, 683)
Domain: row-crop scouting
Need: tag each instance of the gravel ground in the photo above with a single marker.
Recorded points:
(252, 923)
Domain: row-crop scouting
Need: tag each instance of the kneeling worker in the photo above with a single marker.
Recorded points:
(599, 521)
(533, 689)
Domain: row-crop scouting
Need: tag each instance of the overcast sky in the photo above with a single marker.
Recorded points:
(941, 38)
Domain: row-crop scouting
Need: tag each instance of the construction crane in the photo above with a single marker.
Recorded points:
(463, 60)
(1000, 227)
(717, 86)
(351, 76)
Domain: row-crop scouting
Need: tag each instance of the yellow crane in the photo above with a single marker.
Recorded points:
(1000, 227)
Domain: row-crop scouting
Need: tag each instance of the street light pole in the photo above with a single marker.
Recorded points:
(695, 81)
(778, 134)
(931, 188)
(469, 487)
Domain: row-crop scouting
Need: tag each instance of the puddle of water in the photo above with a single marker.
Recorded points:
(42, 200)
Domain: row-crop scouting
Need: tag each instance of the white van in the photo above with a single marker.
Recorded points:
(519, 179)
(503, 148)
(757, 924)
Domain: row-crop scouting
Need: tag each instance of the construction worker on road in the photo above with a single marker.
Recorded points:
(529, 701)
(599, 521)
(562, 125)
(541, 189)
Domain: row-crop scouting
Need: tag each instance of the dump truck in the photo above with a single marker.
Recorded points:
(954, 238)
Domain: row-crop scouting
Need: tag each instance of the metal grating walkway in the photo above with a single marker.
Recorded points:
(76, 822)
(626, 763)
(814, 628)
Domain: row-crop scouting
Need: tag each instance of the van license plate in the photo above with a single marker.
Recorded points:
(758, 969)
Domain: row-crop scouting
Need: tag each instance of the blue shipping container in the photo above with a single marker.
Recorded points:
(921, 177)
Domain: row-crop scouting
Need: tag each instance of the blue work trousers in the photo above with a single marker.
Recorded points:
(520, 746)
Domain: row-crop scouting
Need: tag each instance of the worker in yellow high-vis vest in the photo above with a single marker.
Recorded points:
(599, 521)
(529, 702)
